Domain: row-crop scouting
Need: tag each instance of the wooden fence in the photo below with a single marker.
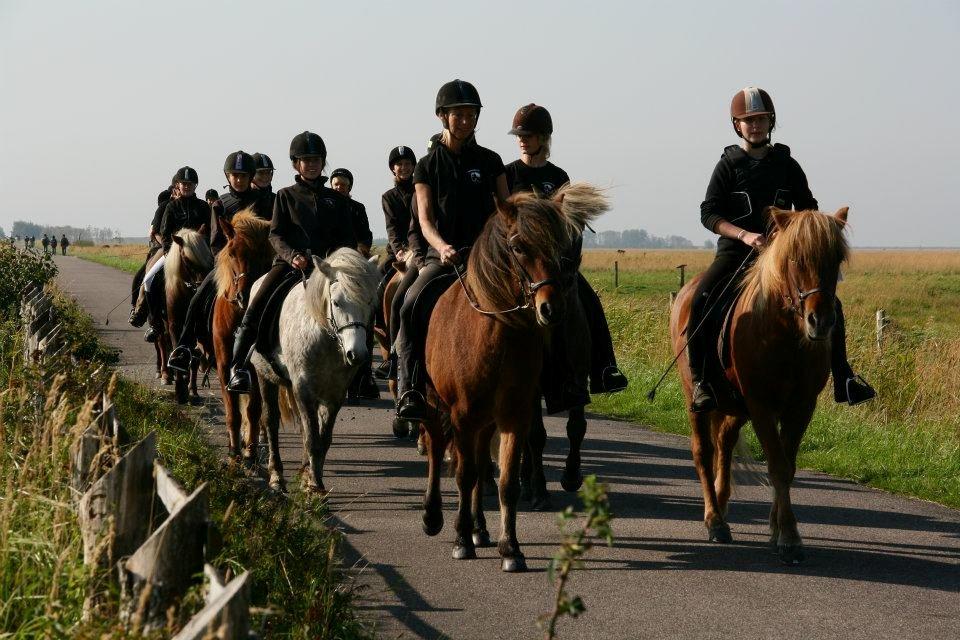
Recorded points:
(135, 516)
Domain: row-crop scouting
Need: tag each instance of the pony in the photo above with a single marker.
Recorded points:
(323, 341)
(484, 354)
(246, 256)
(779, 361)
(189, 260)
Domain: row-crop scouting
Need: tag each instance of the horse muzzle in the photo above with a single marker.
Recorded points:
(819, 325)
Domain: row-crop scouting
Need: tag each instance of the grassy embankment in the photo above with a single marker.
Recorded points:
(297, 585)
(906, 441)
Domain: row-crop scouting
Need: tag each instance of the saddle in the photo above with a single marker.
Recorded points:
(717, 329)
(422, 310)
(268, 331)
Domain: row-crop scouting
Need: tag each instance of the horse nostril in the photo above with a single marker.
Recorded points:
(546, 310)
(812, 319)
(351, 356)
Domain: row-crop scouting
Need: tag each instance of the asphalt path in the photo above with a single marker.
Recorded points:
(878, 565)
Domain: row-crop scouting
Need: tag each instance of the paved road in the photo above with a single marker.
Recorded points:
(878, 566)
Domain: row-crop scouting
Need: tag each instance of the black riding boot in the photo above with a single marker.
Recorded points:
(182, 356)
(848, 387)
(704, 398)
(240, 381)
(605, 376)
(140, 311)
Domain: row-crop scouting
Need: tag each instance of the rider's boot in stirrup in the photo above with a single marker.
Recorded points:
(240, 381)
(180, 359)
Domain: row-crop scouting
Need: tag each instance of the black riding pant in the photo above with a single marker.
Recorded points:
(197, 311)
(250, 324)
(409, 277)
(601, 350)
(411, 338)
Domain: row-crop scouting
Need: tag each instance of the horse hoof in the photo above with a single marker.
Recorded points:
(541, 503)
(720, 533)
(790, 554)
(571, 483)
(482, 538)
(432, 526)
(277, 484)
(167, 382)
(464, 552)
(399, 428)
(514, 564)
(421, 447)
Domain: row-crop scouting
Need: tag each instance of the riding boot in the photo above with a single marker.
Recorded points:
(240, 381)
(605, 376)
(368, 388)
(704, 398)
(411, 403)
(848, 387)
(141, 310)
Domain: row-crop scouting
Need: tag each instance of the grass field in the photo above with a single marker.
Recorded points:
(906, 441)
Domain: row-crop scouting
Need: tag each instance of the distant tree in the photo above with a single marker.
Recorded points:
(609, 238)
(708, 244)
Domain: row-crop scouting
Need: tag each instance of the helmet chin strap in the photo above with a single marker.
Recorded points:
(758, 145)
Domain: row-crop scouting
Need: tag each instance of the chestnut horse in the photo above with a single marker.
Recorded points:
(189, 260)
(484, 354)
(779, 361)
(247, 255)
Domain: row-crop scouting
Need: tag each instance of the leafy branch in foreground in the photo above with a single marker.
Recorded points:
(575, 545)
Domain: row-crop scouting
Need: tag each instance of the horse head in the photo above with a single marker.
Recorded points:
(342, 296)
(246, 256)
(188, 261)
(802, 265)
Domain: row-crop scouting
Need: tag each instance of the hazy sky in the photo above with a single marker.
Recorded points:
(101, 102)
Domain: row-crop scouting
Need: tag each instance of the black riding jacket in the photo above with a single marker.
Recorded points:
(313, 219)
(462, 186)
(741, 188)
(233, 202)
(361, 223)
(397, 215)
(183, 213)
(543, 180)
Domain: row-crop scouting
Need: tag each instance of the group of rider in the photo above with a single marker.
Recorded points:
(434, 213)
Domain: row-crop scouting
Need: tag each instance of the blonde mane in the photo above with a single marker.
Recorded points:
(813, 240)
(358, 278)
(195, 250)
(250, 241)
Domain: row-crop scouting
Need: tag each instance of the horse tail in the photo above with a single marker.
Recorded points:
(289, 412)
(581, 203)
(746, 468)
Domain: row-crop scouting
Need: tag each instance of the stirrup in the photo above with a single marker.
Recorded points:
(180, 359)
(382, 372)
(611, 380)
(703, 398)
(239, 381)
(150, 335)
(858, 391)
(412, 406)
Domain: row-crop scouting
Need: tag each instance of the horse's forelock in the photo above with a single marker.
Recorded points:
(194, 249)
(251, 241)
(357, 277)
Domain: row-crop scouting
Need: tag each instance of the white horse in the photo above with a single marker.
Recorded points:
(323, 341)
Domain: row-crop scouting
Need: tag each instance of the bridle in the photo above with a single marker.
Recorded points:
(796, 304)
(528, 287)
(336, 328)
(236, 299)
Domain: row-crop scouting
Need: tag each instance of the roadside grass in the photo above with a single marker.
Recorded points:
(906, 441)
(126, 257)
(298, 587)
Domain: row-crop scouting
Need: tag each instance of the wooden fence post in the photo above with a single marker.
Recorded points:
(616, 274)
(227, 614)
(882, 322)
(683, 272)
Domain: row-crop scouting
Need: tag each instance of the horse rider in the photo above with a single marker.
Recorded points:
(211, 196)
(457, 186)
(533, 171)
(263, 180)
(747, 179)
(341, 181)
(309, 219)
(185, 211)
(240, 169)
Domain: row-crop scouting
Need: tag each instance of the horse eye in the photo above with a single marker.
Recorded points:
(516, 249)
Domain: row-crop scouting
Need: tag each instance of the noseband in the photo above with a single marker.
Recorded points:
(335, 328)
(237, 277)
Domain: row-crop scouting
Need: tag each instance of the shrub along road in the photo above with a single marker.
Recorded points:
(878, 566)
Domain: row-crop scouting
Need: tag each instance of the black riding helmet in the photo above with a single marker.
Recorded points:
(211, 194)
(186, 174)
(457, 93)
(307, 144)
(342, 173)
(262, 161)
(532, 119)
(239, 162)
(401, 153)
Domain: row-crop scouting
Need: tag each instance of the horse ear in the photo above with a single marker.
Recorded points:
(841, 215)
(178, 240)
(226, 227)
(777, 219)
(324, 268)
(508, 209)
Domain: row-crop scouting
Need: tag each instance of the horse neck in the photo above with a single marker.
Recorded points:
(486, 257)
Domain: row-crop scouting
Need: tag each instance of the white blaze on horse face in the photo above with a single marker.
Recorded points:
(350, 321)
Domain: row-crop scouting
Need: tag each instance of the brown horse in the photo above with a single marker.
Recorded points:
(484, 354)
(779, 361)
(188, 262)
(246, 256)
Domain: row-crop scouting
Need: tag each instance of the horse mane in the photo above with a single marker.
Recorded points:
(252, 241)
(355, 274)
(195, 249)
(813, 240)
(546, 226)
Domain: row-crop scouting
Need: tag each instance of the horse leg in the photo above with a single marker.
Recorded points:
(536, 442)
(270, 394)
(727, 429)
(481, 536)
(783, 525)
(701, 445)
(432, 501)
(253, 412)
(572, 478)
(793, 425)
(327, 414)
(511, 444)
(156, 348)
(310, 429)
(467, 485)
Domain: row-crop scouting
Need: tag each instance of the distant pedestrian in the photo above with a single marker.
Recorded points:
(53, 245)
(46, 243)
(64, 243)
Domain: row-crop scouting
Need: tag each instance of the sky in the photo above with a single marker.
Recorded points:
(102, 101)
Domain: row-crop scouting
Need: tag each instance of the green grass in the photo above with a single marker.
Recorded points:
(906, 441)
(129, 264)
